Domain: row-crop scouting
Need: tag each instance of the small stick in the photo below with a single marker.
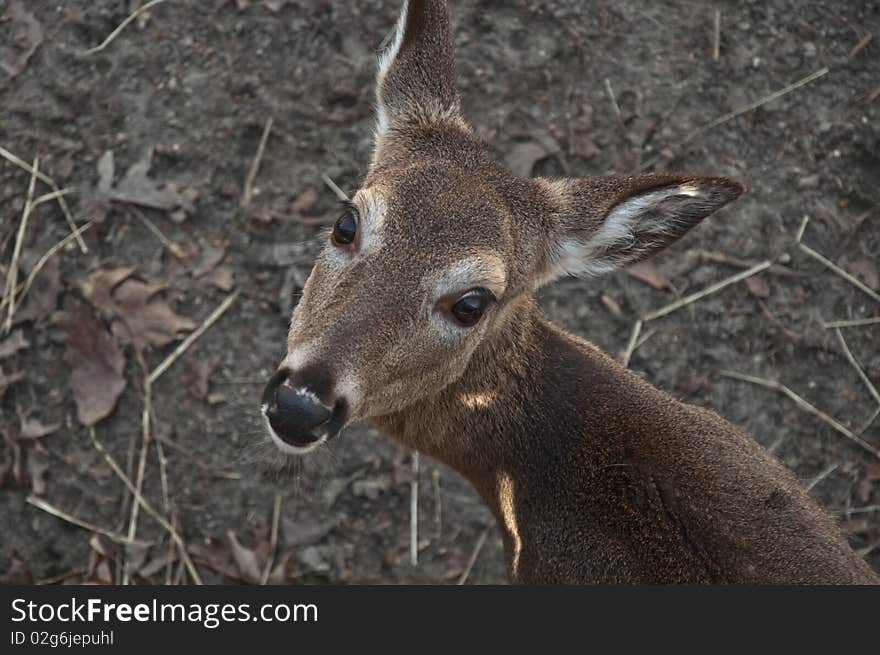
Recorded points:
(17, 161)
(754, 105)
(687, 300)
(199, 331)
(803, 228)
(631, 346)
(803, 404)
(247, 196)
(148, 508)
(273, 540)
(142, 461)
(824, 474)
(414, 512)
(716, 38)
(172, 247)
(12, 279)
(473, 560)
(122, 26)
(61, 576)
(39, 503)
(25, 286)
(613, 98)
(861, 45)
(870, 420)
(852, 360)
(856, 322)
(742, 110)
(339, 193)
(842, 273)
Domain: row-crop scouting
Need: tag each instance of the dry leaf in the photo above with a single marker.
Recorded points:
(304, 530)
(147, 320)
(758, 287)
(245, 560)
(305, 203)
(97, 362)
(38, 466)
(27, 35)
(7, 381)
(12, 344)
(222, 277)
(211, 257)
(137, 188)
(866, 271)
(648, 273)
(523, 156)
(34, 429)
(198, 375)
(42, 299)
(138, 316)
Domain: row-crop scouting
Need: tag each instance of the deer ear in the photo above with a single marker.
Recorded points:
(597, 225)
(416, 78)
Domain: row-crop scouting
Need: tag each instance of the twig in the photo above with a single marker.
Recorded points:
(61, 576)
(836, 269)
(199, 331)
(861, 45)
(39, 503)
(25, 286)
(870, 420)
(247, 196)
(12, 274)
(273, 540)
(11, 158)
(414, 512)
(742, 110)
(333, 187)
(172, 247)
(803, 228)
(613, 99)
(148, 508)
(631, 345)
(473, 559)
(852, 360)
(687, 300)
(803, 404)
(716, 36)
(142, 461)
(855, 322)
(867, 509)
(195, 459)
(824, 474)
(754, 105)
(122, 26)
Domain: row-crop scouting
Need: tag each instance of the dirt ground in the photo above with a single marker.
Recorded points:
(560, 87)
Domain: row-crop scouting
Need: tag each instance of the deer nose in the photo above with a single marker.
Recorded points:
(295, 414)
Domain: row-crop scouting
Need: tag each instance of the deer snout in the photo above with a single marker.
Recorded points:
(297, 417)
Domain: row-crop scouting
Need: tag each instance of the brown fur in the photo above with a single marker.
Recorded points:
(594, 475)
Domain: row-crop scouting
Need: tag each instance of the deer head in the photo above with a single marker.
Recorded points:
(441, 245)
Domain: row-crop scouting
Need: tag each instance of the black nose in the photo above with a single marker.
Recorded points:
(295, 414)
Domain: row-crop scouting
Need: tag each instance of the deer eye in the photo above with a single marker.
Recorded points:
(345, 229)
(469, 309)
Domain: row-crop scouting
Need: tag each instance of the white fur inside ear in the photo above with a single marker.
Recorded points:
(618, 231)
(385, 61)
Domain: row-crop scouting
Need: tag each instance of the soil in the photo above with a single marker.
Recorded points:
(194, 83)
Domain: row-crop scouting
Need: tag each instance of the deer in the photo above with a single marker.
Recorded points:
(419, 316)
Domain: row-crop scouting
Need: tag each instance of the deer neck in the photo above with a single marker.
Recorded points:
(510, 428)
